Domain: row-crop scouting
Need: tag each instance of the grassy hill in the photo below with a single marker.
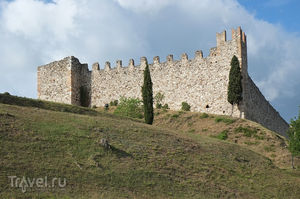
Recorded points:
(168, 160)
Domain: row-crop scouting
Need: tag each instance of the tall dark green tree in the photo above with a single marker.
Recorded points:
(147, 94)
(235, 82)
(294, 138)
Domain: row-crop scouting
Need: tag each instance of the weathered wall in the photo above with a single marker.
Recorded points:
(81, 79)
(201, 82)
(60, 81)
(54, 81)
(259, 110)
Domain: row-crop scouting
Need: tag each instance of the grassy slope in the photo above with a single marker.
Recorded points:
(145, 161)
(245, 133)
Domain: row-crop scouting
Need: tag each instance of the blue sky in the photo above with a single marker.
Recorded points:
(36, 32)
(283, 12)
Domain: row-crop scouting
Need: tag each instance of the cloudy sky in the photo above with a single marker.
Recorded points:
(36, 32)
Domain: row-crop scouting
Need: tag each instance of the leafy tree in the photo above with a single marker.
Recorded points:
(294, 135)
(129, 107)
(147, 94)
(235, 82)
(158, 99)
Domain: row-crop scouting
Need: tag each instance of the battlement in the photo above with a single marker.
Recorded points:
(200, 81)
(238, 41)
(236, 35)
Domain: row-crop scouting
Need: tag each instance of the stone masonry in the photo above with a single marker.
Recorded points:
(202, 82)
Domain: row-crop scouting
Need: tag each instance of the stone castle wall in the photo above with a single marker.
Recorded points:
(60, 81)
(259, 110)
(54, 81)
(202, 82)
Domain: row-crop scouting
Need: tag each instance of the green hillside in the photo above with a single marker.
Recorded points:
(143, 161)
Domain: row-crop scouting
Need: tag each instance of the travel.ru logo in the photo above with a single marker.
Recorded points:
(24, 182)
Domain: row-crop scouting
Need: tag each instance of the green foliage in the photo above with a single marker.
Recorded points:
(223, 135)
(204, 115)
(165, 106)
(158, 106)
(294, 136)
(129, 107)
(158, 100)
(224, 119)
(175, 115)
(147, 94)
(185, 106)
(84, 96)
(114, 103)
(235, 82)
(248, 132)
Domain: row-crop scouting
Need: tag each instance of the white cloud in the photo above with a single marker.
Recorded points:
(145, 6)
(33, 32)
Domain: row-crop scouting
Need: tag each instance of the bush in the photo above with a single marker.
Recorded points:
(185, 106)
(165, 107)
(158, 106)
(225, 120)
(175, 115)
(114, 103)
(223, 135)
(129, 107)
(158, 100)
(204, 115)
(248, 132)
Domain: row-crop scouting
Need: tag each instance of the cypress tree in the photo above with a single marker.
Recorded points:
(147, 94)
(235, 82)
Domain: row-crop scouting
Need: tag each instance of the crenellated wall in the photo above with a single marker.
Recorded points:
(201, 81)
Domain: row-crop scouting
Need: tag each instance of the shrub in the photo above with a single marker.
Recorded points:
(129, 107)
(114, 103)
(175, 115)
(223, 135)
(94, 106)
(224, 119)
(158, 106)
(204, 115)
(248, 132)
(158, 100)
(165, 106)
(185, 106)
